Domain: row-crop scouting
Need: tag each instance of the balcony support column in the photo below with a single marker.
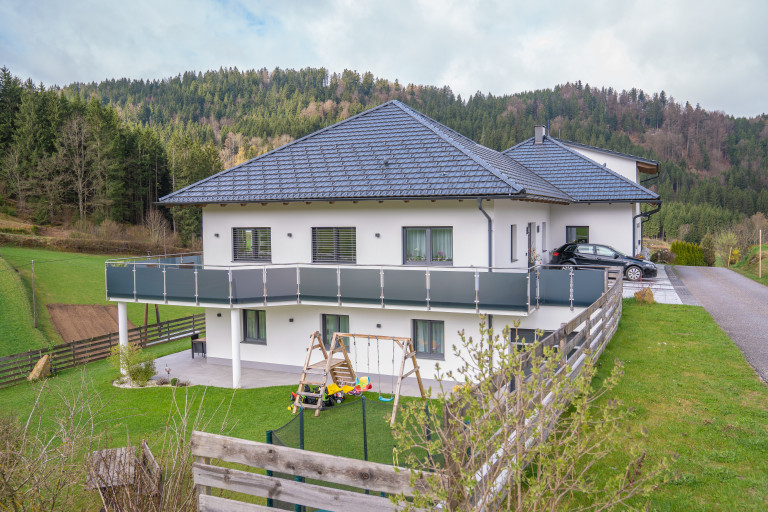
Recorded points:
(122, 327)
(235, 333)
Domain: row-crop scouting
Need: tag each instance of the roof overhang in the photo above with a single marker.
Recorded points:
(647, 168)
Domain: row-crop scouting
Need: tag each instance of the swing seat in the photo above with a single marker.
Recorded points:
(386, 399)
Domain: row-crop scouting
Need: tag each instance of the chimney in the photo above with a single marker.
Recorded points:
(538, 134)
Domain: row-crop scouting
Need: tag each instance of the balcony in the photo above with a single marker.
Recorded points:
(185, 280)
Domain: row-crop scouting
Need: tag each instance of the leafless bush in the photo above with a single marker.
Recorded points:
(157, 226)
(41, 458)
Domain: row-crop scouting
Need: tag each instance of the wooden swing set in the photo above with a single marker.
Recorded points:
(335, 363)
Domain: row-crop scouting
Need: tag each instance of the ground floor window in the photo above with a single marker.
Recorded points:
(429, 337)
(577, 234)
(332, 324)
(254, 326)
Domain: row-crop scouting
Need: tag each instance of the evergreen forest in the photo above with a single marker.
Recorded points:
(108, 150)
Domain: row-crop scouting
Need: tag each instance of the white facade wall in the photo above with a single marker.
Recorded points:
(609, 224)
(470, 240)
(289, 329)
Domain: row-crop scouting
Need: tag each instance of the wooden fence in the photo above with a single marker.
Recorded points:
(363, 475)
(16, 368)
(594, 328)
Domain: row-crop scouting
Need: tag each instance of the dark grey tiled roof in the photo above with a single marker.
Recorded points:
(390, 151)
(580, 177)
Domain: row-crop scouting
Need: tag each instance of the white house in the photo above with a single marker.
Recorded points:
(389, 223)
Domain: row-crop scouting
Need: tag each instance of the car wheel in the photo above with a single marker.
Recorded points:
(634, 273)
(568, 265)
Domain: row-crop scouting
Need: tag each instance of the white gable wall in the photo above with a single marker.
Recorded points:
(627, 167)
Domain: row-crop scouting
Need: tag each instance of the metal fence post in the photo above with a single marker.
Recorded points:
(365, 438)
(270, 502)
(301, 508)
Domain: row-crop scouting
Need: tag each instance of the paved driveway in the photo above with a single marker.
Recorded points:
(738, 304)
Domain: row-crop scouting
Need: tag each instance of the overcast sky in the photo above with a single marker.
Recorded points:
(712, 53)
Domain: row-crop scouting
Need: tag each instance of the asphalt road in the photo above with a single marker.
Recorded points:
(738, 305)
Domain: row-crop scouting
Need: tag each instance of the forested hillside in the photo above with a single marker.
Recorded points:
(108, 150)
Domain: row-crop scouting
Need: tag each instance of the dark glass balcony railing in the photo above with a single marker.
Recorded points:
(186, 280)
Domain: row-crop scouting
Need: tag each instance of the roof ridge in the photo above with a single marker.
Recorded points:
(480, 161)
(321, 130)
(604, 167)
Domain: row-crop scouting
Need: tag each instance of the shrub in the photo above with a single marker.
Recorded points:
(139, 366)
(645, 296)
(687, 253)
(174, 381)
(663, 256)
(708, 249)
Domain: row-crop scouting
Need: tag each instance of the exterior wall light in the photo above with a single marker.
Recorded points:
(377, 235)
(216, 235)
(290, 235)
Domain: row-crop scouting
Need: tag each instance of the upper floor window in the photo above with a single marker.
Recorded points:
(251, 244)
(334, 245)
(428, 246)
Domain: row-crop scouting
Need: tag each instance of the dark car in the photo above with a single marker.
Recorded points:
(594, 254)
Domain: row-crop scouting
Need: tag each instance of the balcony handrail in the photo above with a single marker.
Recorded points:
(154, 256)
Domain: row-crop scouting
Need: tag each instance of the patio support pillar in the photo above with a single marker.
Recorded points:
(235, 333)
(122, 326)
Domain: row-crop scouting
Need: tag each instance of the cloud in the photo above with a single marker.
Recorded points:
(705, 52)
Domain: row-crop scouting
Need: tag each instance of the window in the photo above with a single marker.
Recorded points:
(428, 246)
(251, 244)
(254, 326)
(332, 324)
(429, 338)
(333, 245)
(543, 236)
(513, 243)
(585, 249)
(578, 234)
(604, 251)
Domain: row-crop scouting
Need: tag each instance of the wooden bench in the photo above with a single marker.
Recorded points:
(118, 470)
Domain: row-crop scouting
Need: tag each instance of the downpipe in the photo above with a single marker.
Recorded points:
(490, 247)
(646, 216)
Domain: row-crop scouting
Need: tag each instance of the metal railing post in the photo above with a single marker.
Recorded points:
(134, 282)
(165, 290)
(298, 285)
(528, 290)
(477, 291)
(229, 272)
(537, 287)
(426, 283)
(570, 296)
(197, 292)
(338, 283)
(381, 284)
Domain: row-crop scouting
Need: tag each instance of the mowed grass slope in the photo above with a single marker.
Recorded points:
(692, 388)
(17, 332)
(73, 278)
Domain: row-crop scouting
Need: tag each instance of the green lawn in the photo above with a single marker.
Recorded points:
(17, 332)
(693, 390)
(72, 278)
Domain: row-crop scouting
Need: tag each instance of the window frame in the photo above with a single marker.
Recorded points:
(576, 241)
(427, 261)
(337, 256)
(255, 253)
(323, 318)
(513, 243)
(427, 355)
(261, 317)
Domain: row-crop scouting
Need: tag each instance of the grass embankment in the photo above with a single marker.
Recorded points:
(69, 278)
(749, 265)
(692, 388)
(17, 332)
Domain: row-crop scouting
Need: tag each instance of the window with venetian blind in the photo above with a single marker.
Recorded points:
(251, 244)
(334, 245)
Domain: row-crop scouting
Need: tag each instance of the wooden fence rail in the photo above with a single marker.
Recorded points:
(15, 368)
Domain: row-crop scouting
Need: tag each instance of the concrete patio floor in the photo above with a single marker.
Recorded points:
(666, 287)
(200, 373)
